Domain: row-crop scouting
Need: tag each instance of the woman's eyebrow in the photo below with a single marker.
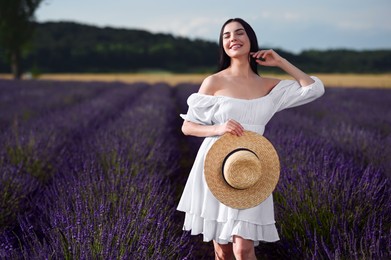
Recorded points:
(234, 31)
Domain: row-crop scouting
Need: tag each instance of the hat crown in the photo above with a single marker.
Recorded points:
(242, 169)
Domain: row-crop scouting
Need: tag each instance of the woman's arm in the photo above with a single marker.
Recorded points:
(190, 128)
(271, 58)
(194, 129)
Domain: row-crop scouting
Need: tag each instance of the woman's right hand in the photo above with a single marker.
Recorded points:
(231, 126)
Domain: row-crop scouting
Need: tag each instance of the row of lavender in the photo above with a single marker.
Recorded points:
(91, 178)
(32, 145)
(333, 199)
(95, 170)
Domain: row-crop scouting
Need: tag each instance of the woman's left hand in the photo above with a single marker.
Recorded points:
(267, 58)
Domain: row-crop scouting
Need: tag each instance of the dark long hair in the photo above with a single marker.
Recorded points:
(224, 59)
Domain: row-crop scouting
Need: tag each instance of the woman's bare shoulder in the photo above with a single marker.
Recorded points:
(211, 84)
(270, 83)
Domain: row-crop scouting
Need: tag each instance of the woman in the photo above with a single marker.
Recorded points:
(233, 100)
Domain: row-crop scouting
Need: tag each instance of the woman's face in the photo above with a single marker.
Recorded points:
(235, 40)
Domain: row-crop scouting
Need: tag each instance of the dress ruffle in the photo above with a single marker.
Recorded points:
(203, 109)
(223, 232)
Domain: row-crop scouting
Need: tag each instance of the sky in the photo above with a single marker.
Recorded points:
(293, 25)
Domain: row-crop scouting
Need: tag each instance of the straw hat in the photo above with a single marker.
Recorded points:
(241, 172)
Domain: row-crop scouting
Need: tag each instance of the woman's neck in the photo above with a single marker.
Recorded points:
(240, 68)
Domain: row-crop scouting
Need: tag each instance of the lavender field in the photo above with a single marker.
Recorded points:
(94, 171)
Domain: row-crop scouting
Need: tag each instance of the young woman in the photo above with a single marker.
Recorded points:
(233, 100)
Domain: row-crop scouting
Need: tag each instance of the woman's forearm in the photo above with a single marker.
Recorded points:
(296, 73)
(190, 128)
(231, 126)
(272, 59)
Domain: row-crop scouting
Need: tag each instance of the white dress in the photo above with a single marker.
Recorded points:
(204, 213)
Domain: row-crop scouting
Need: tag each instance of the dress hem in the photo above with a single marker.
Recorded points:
(223, 232)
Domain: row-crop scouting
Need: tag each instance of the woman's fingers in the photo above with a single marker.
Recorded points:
(267, 57)
(234, 127)
(262, 54)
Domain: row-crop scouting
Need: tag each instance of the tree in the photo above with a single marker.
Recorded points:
(16, 29)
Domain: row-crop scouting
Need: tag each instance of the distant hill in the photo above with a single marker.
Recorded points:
(73, 47)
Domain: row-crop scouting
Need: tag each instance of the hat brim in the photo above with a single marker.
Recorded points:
(253, 196)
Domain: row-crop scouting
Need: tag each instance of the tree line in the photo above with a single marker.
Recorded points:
(16, 30)
(73, 47)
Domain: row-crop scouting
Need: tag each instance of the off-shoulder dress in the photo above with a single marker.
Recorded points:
(204, 213)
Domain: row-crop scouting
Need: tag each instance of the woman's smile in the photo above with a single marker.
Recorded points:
(235, 46)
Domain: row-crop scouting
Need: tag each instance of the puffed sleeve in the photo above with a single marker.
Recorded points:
(289, 93)
(201, 109)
